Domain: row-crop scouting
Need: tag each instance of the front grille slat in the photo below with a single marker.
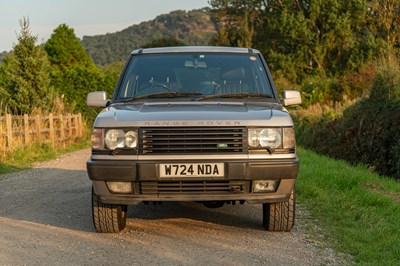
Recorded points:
(188, 133)
(203, 137)
(194, 143)
(188, 187)
(194, 140)
(187, 149)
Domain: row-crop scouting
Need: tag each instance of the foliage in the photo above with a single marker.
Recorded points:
(386, 85)
(65, 50)
(4, 81)
(236, 22)
(25, 81)
(74, 74)
(368, 131)
(355, 84)
(384, 20)
(357, 211)
(5, 169)
(3, 55)
(302, 38)
(163, 42)
(74, 83)
(189, 27)
(111, 74)
(317, 90)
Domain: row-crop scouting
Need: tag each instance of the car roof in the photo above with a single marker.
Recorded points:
(195, 49)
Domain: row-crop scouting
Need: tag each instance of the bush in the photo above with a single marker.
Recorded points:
(324, 90)
(367, 132)
(357, 84)
(321, 90)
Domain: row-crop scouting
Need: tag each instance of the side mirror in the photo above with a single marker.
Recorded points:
(97, 99)
(291, 97)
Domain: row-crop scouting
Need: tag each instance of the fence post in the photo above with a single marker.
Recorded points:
(76, 125)
(37, 122)
(62, 130)
(80, 124)
(69, 125)
(51, 129)
(26, 129)
(9, 131)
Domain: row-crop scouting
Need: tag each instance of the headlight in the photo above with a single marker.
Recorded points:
(115, 138)
(131, 139)
(265, 137)
(271, 137)
(254, 137)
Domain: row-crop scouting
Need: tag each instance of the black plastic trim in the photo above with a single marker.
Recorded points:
(235, 170)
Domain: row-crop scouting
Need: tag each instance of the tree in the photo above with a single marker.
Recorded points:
(4, 96)
(75, 82)
(74, 74)
(111, 73)
(384, 20)
(3, 55)
(300, 38)
(65, 49)
(163, 42)
(26, 78)
(237, 21)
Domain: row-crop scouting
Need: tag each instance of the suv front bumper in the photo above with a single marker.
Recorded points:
(237, 181)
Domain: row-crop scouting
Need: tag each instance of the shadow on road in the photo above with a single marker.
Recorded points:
(61, 198)
(55, 197)
(243, 216)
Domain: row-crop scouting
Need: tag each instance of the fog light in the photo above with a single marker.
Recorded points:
(120, 187)
(265, 185)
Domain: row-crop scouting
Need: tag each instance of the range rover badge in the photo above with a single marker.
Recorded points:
(222, 146)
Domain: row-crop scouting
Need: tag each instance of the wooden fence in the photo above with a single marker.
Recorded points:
(57, 130)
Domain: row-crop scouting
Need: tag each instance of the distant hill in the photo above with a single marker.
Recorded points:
(194, 27)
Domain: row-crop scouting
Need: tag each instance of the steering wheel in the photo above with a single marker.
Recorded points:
(155, 84)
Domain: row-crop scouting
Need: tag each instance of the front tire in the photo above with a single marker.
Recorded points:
(280, 216)
(108, 218)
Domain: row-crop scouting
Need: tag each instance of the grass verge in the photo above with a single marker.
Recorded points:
(359, 210)
(24, 157)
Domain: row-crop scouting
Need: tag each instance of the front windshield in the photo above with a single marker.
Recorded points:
(194, 75)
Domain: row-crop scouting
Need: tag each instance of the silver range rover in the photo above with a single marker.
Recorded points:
(201, 124)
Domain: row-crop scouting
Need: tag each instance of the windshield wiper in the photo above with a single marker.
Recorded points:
(236, 95)
(161, 95)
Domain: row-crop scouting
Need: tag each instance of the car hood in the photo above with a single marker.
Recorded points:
(173, 114)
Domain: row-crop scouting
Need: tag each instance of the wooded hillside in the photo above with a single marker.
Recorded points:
(194, 27)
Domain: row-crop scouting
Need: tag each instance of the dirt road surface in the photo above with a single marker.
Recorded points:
(45, 219)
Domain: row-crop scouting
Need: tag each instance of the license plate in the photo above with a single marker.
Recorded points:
(192, 170)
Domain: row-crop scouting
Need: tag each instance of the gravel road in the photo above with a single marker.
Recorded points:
(45, 219)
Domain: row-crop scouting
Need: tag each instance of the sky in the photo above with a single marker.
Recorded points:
(86, 17)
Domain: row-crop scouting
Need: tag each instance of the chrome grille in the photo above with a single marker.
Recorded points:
(193, 140)
(188, 187)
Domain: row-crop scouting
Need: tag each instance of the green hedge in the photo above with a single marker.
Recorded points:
(368, 132)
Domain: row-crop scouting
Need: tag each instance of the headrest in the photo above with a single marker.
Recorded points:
(234, 74)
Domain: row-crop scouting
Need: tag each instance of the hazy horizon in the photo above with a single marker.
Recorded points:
(104, 16)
